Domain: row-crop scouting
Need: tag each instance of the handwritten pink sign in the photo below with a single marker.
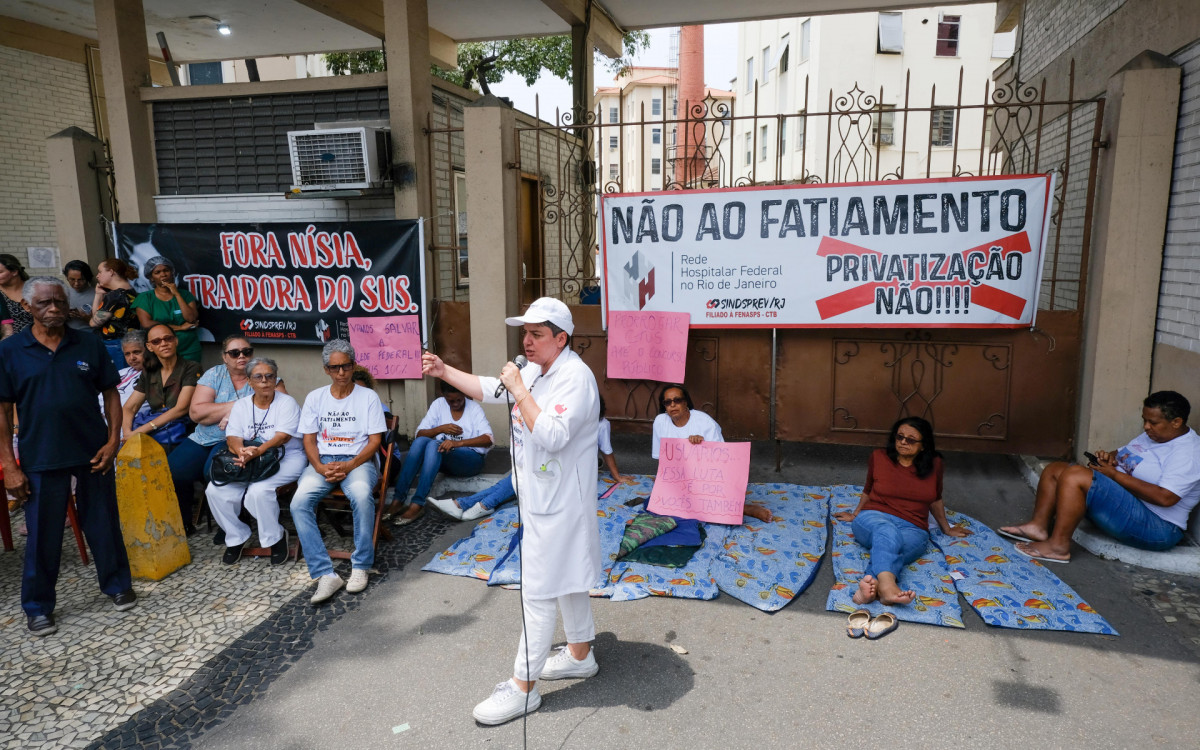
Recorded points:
(706, 481)
(389, 346)
(647, 345)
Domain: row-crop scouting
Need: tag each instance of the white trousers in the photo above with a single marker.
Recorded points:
(539, 629)
(226, 502)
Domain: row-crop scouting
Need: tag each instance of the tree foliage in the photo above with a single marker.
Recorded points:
(483, 63)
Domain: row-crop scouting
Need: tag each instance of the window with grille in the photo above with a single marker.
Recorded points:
(612, 171)
(613, 115)
(883, 125)
(656, 166)
(941, 130)
(656, 107)
(947, 38)
(656, 136)
(612, 143)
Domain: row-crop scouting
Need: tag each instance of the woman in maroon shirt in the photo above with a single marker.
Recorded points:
(904, 485)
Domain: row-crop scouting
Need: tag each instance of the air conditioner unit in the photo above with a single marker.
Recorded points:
(338, 158)
(886, 139)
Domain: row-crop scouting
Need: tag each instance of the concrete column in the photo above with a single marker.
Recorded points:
(80, 195)
(1140, 113)
(410, 99)
(124, 56)
(488, 126)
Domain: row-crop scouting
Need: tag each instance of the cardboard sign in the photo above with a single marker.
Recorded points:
(389, 346)
(706, 481)
(644, 345)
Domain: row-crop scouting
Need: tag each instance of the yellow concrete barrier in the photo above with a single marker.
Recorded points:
(150, 520)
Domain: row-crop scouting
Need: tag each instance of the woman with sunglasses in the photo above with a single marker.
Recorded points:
(167, 383)
(904, 485)
(216, 392)
(169, 305)
(270, 418)
(681, 419)
(14, 318)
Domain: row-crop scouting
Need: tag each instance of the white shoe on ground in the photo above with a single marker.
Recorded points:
(506, 703)
(357, 582)
(448, 506)
(563, 666)
(475, 511)
(327, 586)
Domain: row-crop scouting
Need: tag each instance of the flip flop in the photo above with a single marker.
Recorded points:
(1014, 536)
(402, 521)
(881, 625)
(856, 623)
(1040, 558)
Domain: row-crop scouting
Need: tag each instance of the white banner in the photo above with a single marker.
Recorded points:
(964, 252)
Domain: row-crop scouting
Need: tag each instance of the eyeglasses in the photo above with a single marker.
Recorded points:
(907, 440)
(673, 401)
(162, 340)
(340, 368)
(235, 353)
(264, 378)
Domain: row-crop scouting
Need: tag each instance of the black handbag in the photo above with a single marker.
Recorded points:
(224, 470)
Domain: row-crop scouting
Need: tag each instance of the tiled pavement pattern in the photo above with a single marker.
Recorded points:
(200, 642)
(1175, 598)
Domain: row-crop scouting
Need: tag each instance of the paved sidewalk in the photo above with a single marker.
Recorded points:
(402, 664)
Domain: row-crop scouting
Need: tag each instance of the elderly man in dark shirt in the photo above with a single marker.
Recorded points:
(53, 374)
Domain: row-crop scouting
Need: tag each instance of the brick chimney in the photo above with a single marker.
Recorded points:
(689, 142)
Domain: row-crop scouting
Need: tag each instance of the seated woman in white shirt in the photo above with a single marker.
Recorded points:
(453, 437)
(681, 419)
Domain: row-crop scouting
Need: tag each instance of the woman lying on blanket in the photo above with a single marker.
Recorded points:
(680, 419)
(904, 485)
(1140, 495)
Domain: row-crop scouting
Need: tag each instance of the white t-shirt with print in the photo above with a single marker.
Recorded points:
(699, 423)
(473, 421)
(1173, 465)
(342, 426)
(283, 415)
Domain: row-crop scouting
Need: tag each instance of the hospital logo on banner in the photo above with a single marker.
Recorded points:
(637, 282)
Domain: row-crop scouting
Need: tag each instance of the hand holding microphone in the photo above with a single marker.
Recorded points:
(518, 362)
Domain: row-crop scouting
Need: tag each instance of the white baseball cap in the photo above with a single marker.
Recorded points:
(546, 310)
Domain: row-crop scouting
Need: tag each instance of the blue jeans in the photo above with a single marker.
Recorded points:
(188, 464)
(893, 541)
(1125, 518)
(493, 497)
(45, 514)
(425, 458)
(358, 487)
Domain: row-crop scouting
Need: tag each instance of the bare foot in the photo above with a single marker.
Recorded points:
(900, 597)
(866, 591)
(1043, 550)
(1027, 530)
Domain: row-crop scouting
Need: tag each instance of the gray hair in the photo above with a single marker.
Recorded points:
(36, 281)
(337, 346)
(261, 361)
(134, 336)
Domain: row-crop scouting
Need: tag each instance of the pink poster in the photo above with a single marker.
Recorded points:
(645, 345)
(389, 346)
(706, 481)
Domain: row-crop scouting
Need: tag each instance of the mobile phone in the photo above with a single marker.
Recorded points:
(1091, 459)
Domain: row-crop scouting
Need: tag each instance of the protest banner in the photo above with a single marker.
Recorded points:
(957, 252)
(287, 283)
(646, 345)
(705, 481)
(388, 346)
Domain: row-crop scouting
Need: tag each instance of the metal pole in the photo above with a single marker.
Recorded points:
(774, 362)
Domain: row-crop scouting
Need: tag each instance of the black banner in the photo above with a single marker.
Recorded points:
(293, 283)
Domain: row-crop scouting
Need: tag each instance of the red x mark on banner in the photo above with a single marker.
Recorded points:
(862, 295)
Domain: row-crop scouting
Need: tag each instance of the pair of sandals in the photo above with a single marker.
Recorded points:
(860, 623)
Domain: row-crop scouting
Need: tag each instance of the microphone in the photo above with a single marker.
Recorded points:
(520, 361)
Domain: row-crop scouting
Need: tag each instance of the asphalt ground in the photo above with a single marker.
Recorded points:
(405, 665)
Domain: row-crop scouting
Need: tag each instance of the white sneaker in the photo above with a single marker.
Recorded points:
(327, 586)
(506, 703)
(448, 506)
(563, 666)
(357, 582)
(475, 511)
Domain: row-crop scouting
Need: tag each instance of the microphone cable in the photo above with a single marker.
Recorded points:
(520, 562)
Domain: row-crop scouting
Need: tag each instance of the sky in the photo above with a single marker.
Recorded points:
(720, 55)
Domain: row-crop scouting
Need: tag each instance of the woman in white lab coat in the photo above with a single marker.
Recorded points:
(555, 416)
